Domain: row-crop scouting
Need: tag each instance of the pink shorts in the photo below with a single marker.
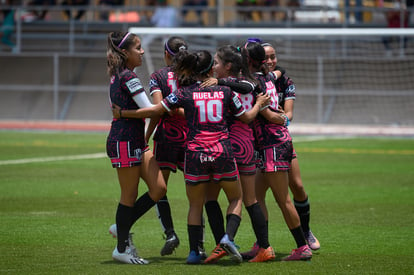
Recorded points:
(275, 158)
(125, 153)
(200, 167)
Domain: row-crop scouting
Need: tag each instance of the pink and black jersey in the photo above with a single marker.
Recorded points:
(241, 134)
(171, 128)
(123, 87)
(126, 144)
(207, 112)
(268, 134)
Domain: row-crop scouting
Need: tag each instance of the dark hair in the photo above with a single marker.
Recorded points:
(233, 55)
(205, 62)
(256, 56)
(175, 44)
(188, 66)
(116, 58)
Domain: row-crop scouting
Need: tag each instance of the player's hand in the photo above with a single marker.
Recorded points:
(280, 109)
(263, 99)
(211, 81)
(116, 111)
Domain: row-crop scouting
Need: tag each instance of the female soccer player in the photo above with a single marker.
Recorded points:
(228, 63)
(209, 156)
(126, 145)
(274, 145)
(286, 91)
(170, 136)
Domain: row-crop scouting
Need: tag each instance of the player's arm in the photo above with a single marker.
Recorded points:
(275, 117)
(155, 110)
(178, 111)
(288, 108)
(278, 72)
(261, 100)
(241, 87)
(156, 98)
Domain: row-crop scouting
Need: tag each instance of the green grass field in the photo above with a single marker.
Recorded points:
(55, 212)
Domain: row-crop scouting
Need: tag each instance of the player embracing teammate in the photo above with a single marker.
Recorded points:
(209, 159)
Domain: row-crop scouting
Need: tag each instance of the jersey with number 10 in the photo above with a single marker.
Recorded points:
(207, 111)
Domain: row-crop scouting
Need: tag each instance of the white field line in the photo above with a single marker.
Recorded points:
(103, 155)
(316, 138)
(48, 159)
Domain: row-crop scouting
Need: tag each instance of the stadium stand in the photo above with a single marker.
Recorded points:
(58, 72)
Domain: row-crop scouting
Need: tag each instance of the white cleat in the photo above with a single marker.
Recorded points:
(128, 257)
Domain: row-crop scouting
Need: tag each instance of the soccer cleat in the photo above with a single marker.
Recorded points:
(231, 249)
(112, 230)
(312, 241)
(302, 253)
(264, 255)
(202, 253)
(216, 255)
(251, 253)
(170, 245)
(193, 258)
(129, 256)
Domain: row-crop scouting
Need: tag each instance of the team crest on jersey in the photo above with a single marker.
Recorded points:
(236, 101)
(153, 83)
(291, 88)
(172, 98)
(134, 85)
(138, 154)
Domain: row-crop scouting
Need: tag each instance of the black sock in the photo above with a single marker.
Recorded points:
(164, 215)
(303, 209)
(298, 236)
(233, 222)
(259, 225)
(141, 206)
(215, 219)
(195, 234)
(123, 225)
(203, 228)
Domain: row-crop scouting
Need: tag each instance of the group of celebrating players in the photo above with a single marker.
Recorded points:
(222, 119)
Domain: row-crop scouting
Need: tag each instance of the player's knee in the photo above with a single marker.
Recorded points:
(157, 193)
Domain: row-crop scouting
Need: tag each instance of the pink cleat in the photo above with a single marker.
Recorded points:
(302, 253)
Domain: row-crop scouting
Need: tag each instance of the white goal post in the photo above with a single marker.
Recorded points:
(342, 75)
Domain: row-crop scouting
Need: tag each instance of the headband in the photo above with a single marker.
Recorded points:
(123, 39)
(181, 48)
(253, 39)
(209, 66)
(168, 49)
(267, 45)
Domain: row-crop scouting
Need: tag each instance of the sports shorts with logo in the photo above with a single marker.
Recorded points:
(201, 167)
(276, 158)
(125, 153)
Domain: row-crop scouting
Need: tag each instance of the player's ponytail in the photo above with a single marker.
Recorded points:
(205, 62)
(184, 67)
(175, 44)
